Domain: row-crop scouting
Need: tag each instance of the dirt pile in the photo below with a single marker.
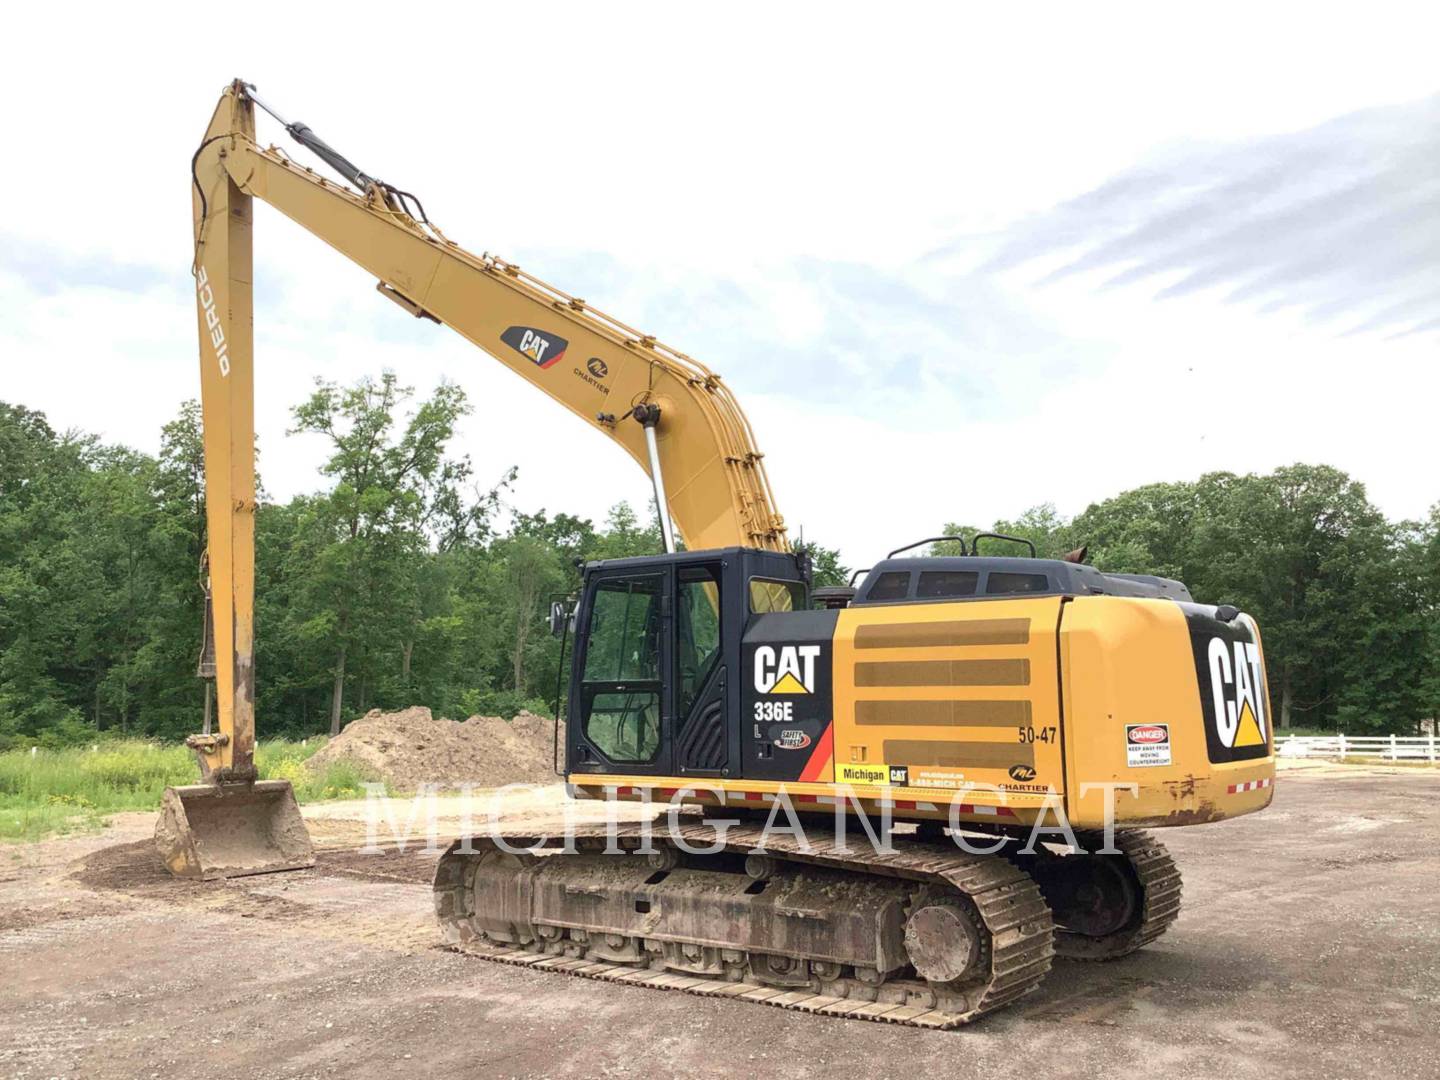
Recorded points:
(410, 748)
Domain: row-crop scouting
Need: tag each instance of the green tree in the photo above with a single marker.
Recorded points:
(826, 567)
(170, 615)
(624, 537)
(1304, 549)
(40, 475)
(1422, 552)
(532, 575)
(394, 583)
(1142, 531)
(361, 540)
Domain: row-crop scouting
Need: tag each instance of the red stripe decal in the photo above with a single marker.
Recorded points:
(971, 808)
(1248, 785)
(819, 757)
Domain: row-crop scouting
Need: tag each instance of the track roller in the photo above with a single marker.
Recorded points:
(921, 935)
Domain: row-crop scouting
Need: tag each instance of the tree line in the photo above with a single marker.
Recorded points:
(1348, 603)
(404, 579)
(392, 584)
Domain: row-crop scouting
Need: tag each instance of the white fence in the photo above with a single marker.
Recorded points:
(1388, 747)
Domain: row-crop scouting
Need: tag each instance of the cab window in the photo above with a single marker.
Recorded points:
(767, 596)
(620, 688)
(697, 632)
(998, 583)
(891, 585)
(938, 583)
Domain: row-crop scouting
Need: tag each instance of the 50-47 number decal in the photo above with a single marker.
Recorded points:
(1034, 734)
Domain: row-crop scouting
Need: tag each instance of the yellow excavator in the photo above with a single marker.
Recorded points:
(951, 710)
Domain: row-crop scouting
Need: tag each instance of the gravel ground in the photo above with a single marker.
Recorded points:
(1309, 947)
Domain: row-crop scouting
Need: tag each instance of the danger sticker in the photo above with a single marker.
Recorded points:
(1147, 745)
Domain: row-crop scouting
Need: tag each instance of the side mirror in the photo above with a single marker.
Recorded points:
(559, 617)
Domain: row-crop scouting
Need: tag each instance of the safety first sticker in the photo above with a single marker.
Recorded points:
(1147, 745)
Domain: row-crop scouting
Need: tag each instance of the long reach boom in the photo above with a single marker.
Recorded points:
(621, 382)
(671, 413)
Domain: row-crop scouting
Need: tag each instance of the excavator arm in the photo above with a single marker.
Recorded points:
(594, 365)
(674, 416)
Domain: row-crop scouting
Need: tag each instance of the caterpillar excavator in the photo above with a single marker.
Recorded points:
(911, 734)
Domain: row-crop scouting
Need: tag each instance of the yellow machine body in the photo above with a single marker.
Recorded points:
(1001, 711)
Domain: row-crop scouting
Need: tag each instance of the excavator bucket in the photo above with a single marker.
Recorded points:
(209, 831)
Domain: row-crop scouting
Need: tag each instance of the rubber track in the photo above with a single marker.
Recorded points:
(1007, 900)
(1160, 881)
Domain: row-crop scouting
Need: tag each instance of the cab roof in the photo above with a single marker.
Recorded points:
(934, 578)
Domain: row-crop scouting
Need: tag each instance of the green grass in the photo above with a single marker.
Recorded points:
(60, 791)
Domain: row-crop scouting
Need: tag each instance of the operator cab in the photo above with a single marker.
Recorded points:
(657, 668)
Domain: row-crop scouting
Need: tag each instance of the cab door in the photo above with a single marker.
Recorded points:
(621, 719)
(704, 621)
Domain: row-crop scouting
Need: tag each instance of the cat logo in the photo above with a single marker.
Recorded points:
(540, 347)
(1237, 687)
(790, 669)
(1230, 671)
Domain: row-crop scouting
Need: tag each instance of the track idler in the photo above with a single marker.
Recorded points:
(1107, 905)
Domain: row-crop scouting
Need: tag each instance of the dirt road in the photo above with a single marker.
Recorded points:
(1309, 947)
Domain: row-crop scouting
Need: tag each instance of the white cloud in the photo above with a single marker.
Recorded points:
(763, 183)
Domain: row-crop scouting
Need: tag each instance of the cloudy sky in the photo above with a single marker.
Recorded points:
(954, 261)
